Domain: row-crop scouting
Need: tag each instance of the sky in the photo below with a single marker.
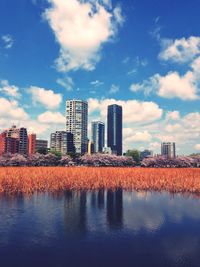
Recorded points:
(141, 54)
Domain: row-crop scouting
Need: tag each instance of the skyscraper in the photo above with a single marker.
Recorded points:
(98, 136)
(168, 149)
(62, 142)
(77, 123)
(114, 129)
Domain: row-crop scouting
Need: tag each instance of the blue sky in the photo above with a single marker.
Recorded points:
(144, 55)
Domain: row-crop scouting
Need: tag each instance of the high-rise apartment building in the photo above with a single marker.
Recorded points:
(77, 123)
(41, 146)
(168, 149)
(98, 135)
(15, 140)
(114, 129)
(31, 144)
(8, 144)
(23, 141)
(62, 142)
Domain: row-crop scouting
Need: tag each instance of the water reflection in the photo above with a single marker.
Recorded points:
(75, 218)
(121, 224)
(115, 208)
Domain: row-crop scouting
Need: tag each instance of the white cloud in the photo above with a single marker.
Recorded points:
(181, 50)
(11, 110)
(81, 28)
(118, 15)
(8, 41)
(173, 115)
(185, 130)
(114, 89)
(155, 146)
(132, 72)
(148, 86)
(47, 98)
(66, 82)
(10, 90)
(197, 147)
(96, 83)
(133, 111)
(173, 85)
(196, 67)
(131, 136)
(126, 60)
(51, 118)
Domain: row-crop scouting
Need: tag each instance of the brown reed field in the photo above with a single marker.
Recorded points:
(53, 179)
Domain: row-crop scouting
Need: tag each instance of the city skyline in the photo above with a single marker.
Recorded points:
(156, 80)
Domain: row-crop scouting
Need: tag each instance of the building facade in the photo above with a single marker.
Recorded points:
(77, 123)
(8, 144)
(98, 136)
(14, 140)
(31, 144)
(41, 146)
(114, 129)
(62, 142)
(90, 147)
(168, 149)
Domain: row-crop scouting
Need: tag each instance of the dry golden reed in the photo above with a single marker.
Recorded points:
(52, 179)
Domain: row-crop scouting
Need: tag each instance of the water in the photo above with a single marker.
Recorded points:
(102, 228)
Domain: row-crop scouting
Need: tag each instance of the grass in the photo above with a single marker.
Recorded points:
(52, 179)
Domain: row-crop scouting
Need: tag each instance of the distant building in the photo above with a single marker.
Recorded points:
(31, 144)
(62, 142)
(8, 144)
(107, 150)
(77, 123)
(146, 153)
(114, 129)
(14, 140)
(41, 146)
(90, 147)
(98, 135)
(168, 149)
(3, 143)
(23, 141)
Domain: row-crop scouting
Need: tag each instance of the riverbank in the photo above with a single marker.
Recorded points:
(52, 179)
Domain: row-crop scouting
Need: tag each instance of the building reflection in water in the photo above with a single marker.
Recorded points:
(115, 208)
(98, 199)
(101, 199)
(77, 208)
(75, 212)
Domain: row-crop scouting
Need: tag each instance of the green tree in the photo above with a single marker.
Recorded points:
(42, 150)
(56, 153)
(135, 154)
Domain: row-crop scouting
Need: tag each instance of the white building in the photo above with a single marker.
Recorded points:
(77, 123)
(168, 149)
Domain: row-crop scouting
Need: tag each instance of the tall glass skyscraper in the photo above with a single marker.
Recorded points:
(98, 135)
(114, 129)
(77, 123)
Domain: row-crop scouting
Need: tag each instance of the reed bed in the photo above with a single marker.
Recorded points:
(52, 179)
